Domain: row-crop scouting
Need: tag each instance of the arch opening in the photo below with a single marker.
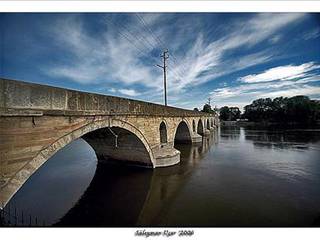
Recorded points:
(183, 134)
(200, 127)
(208, 124)
(118, 144)
(163, 133)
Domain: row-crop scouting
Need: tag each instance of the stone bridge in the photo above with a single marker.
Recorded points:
(37, 120)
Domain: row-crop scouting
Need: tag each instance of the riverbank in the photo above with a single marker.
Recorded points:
(268, 124)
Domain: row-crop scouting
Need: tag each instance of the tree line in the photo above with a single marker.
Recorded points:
(206, 108)
(297, 109)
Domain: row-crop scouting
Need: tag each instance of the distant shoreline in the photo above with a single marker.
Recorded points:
(266, 124)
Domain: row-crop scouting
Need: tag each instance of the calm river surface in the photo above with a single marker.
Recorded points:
(236, 177)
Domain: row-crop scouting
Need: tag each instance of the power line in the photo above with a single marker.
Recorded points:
(176, 61)
(150, 30)
(140, 39)
(128, 38)
(176, 72)
(133, 38)
(161, 43)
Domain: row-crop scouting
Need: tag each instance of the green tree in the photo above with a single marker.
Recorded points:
(224, 113)
(207, 108)
(234, 113)
(297, 109)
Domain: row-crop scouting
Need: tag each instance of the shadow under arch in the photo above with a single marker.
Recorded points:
(44, 155)
(183, 133)
(163, 133)
(200, 129)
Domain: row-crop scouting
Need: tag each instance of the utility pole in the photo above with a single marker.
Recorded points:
(209, 101)
(164, 56)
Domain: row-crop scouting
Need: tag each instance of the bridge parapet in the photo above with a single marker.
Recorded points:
(27, 99)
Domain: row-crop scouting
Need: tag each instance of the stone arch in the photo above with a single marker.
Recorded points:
(208, 124)
(194, 129)
(163, 133)
(15, 183)
(183, 132)
(200, 128)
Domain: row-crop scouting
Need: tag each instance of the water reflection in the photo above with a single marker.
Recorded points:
(52, 190)
(166, 183)
(283, 139)
(114, 198)
(105, 202)
(236, 177)
(230, 133)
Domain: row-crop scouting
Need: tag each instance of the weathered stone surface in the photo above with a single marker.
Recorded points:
(196, 138)
(39, 98)
(58, 99)
(17, 95)
(2, 103)
(166, 156)
(72, 100)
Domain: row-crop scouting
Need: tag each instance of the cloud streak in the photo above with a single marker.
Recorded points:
(284, 81)
(128, 92)
(207, 61)
(281, 73)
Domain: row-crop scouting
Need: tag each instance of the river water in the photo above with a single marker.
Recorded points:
(236, 177)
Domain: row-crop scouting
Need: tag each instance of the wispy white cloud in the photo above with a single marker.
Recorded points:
(128, 92)
(284, 81)
(281, 73)
(293, 91)
(275, 39)
(206, 61)
(243, 95)
(113, 90)
(314, 33)
(104, 59)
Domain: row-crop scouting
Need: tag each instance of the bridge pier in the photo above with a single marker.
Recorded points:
(196, 138)
(165, 155)
(206, 132)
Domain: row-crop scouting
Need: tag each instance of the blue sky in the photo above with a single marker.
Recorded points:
(233, 58)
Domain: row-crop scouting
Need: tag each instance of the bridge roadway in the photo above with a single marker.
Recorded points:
(37, 120)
